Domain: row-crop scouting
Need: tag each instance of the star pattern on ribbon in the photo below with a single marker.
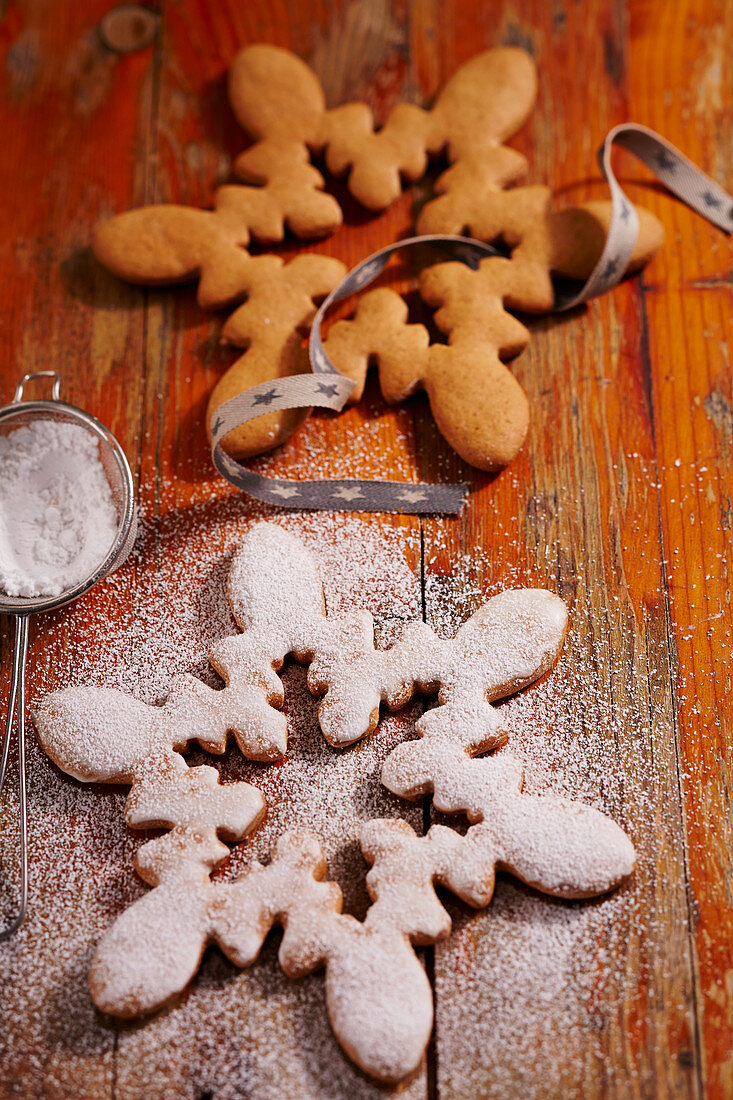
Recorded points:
(412, 496)
(664, 161)
(625, 211)
(327, 390)
(344, 493)
(265, 398)
(228, 463)
(285, 492)
(610, 269)
(711, 200)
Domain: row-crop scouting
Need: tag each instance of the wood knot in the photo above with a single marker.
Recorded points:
(128, 28)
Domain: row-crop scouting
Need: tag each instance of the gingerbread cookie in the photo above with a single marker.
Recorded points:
(378, 996)
(278, 99)
(478, 406)
(170, 244)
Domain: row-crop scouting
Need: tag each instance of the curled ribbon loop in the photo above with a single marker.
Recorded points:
(326, 388)
(678, 174)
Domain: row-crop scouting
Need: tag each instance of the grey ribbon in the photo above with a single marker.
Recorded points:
(678, 174)
(326, 388)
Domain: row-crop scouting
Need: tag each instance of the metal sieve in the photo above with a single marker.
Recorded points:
(19, 414)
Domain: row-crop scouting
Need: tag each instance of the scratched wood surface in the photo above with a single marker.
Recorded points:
(620, 501)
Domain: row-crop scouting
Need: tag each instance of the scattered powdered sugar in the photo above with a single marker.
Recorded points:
(234, 1033)
(511, 982)
(174, 607)
(535, 978)
(57, 517)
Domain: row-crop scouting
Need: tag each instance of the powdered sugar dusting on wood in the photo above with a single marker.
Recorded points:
(254, 1030)
(234, 1032)
(531, 976)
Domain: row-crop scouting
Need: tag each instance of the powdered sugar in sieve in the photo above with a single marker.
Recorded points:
(67, 519)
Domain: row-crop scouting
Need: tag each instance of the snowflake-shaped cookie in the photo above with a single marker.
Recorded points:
(379, 998)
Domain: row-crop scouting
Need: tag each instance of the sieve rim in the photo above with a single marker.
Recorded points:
(127, 524)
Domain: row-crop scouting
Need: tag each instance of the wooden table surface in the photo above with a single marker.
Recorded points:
(620, 501)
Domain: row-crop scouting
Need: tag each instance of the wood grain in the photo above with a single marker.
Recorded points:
(688, 308)
(620, 502)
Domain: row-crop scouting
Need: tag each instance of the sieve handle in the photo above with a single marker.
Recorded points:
(17, 696)
(29, 377)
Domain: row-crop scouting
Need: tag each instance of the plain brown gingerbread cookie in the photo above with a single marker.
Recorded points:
(478, 405)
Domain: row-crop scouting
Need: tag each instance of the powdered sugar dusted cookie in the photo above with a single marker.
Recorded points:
(378, 996)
